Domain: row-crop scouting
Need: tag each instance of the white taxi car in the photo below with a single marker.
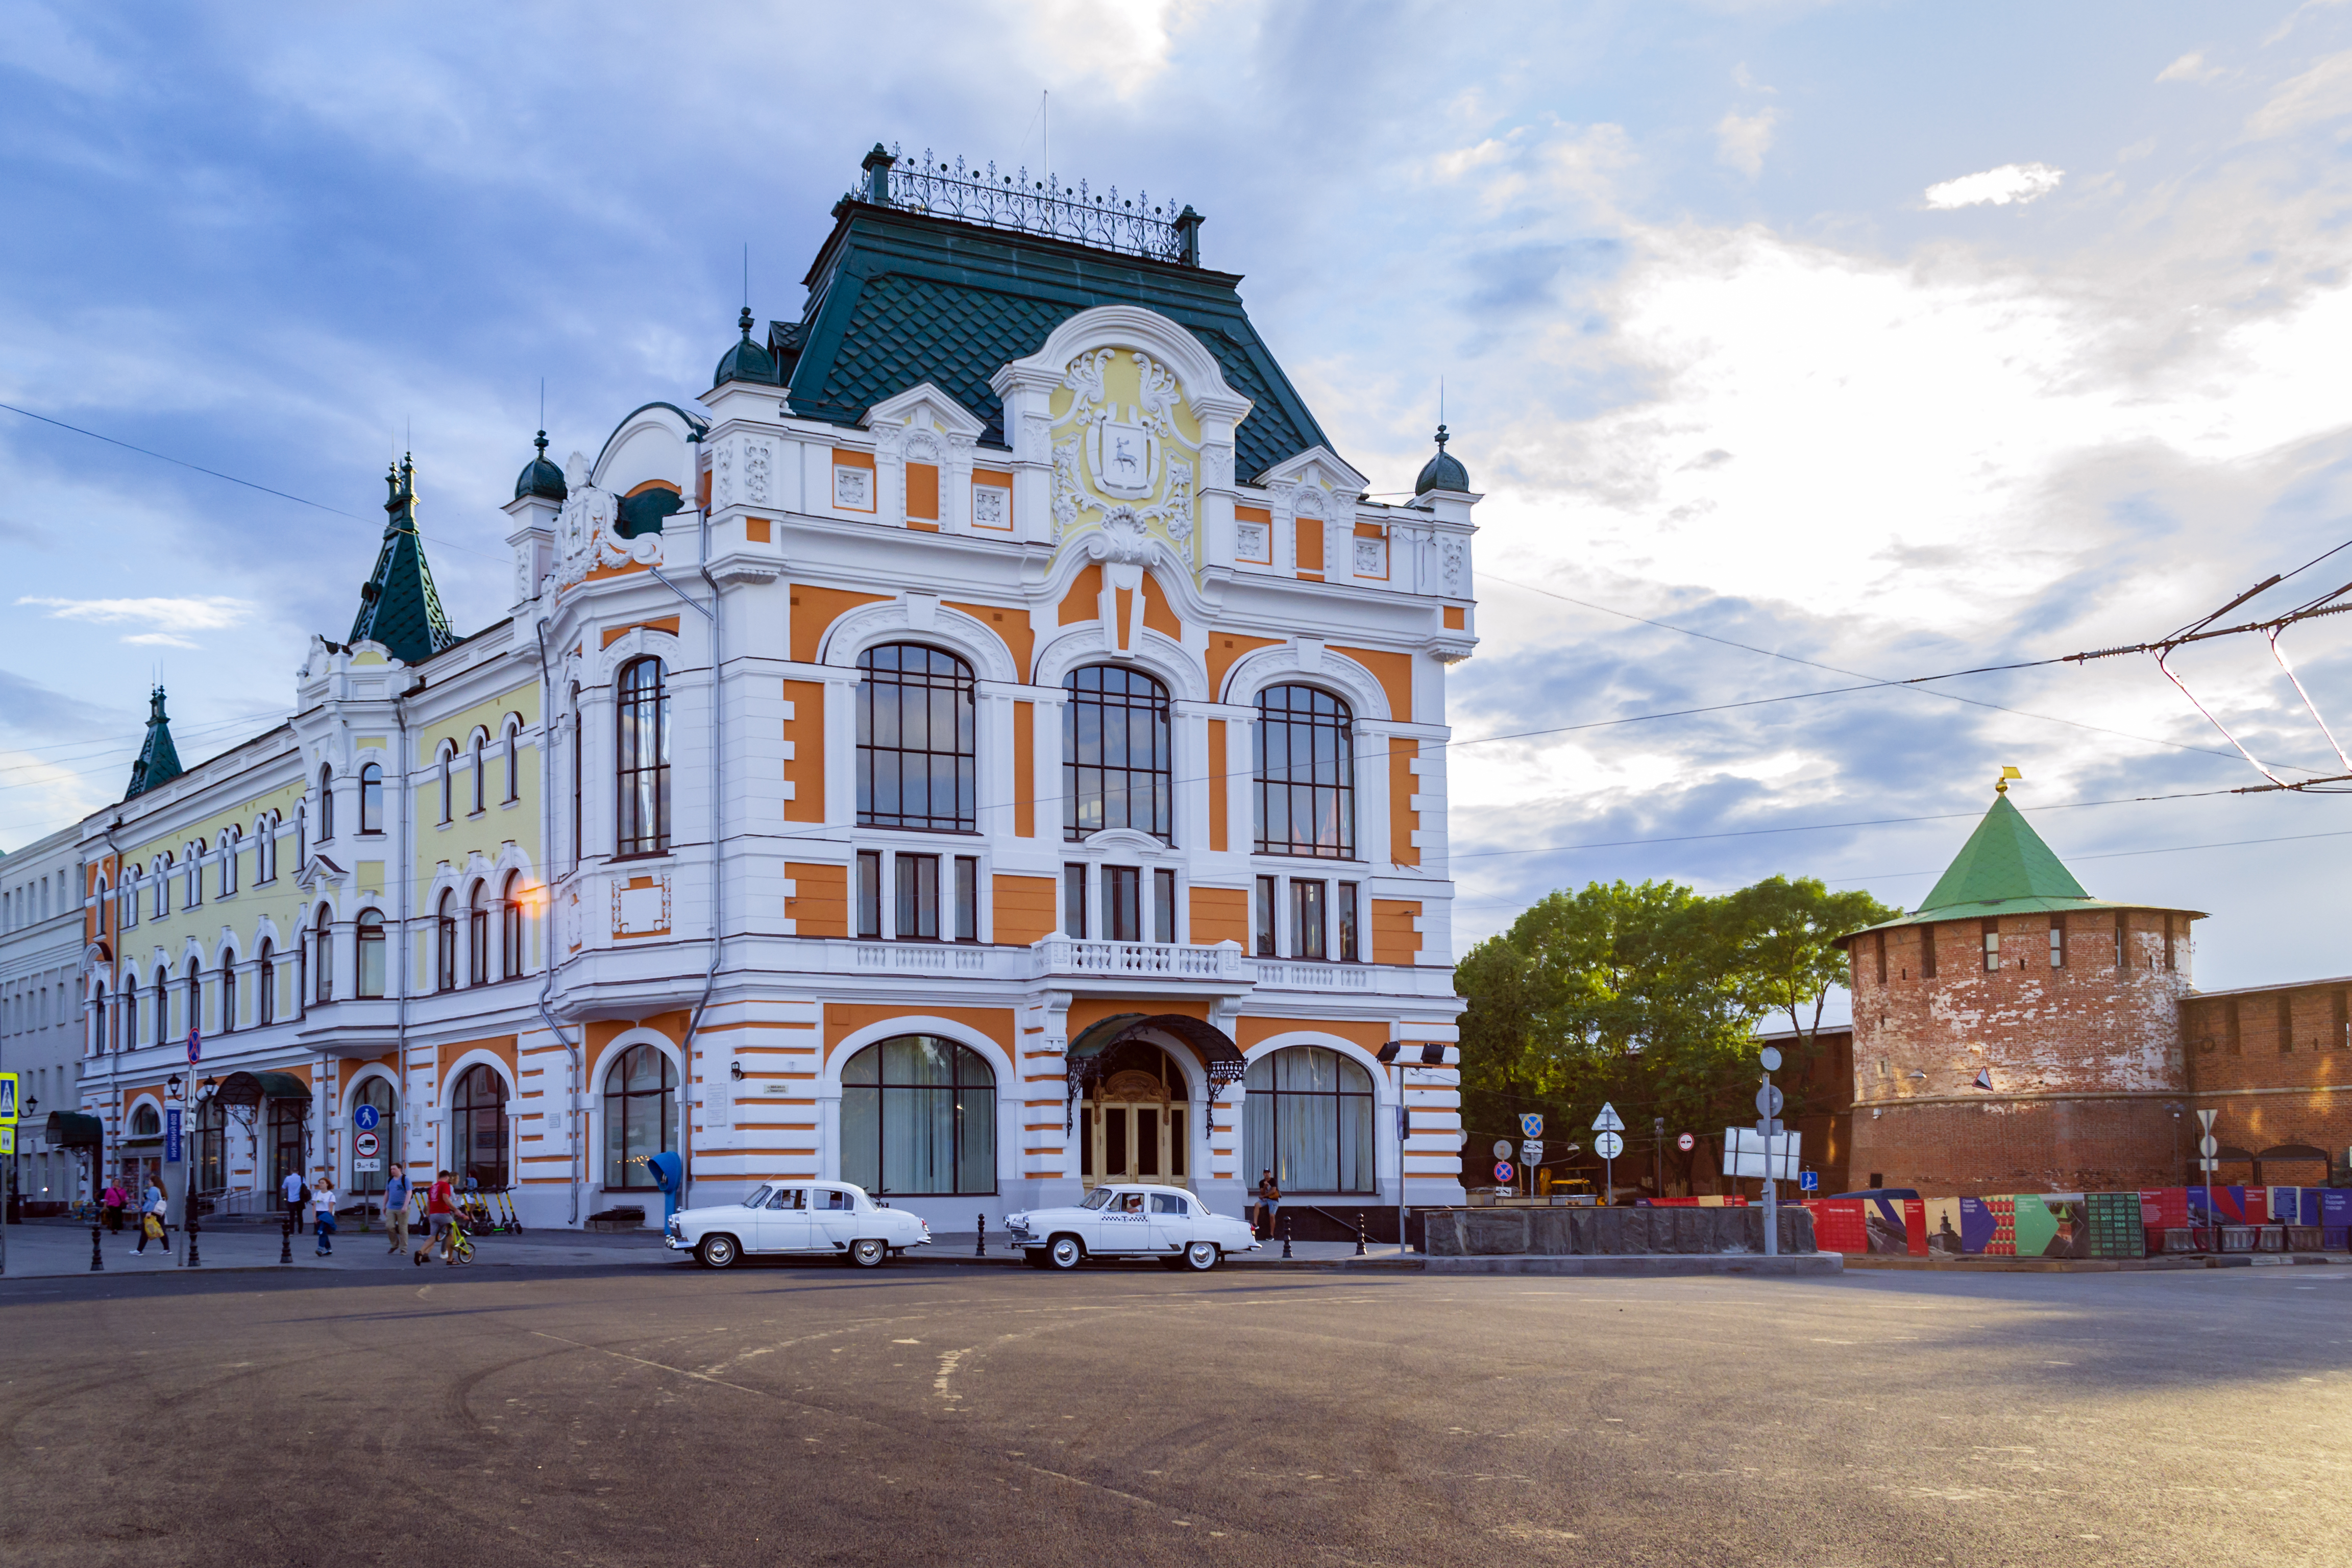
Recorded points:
(1139, 1219)
(796, 1218)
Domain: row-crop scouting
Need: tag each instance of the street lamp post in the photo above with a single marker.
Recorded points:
(1432, 1056)
(195, 1225)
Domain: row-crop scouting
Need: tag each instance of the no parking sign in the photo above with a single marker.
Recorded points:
(1503, 1172)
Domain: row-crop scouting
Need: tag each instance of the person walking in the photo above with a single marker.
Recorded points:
(322, 1205)
(395, 1209)
(1269, 1202)
(114, 1200)
(294, 1192)
(151, 1214)
(441, 1213)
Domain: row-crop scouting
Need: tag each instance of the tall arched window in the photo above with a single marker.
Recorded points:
(370, 799)
(265, 1004)
(1307, 1116)
(195, 1001)
(514, 786)
(163, 885)
(145, 1122)
(475, 760)
(915, 740)
(441, 765)
(640, 1116)
(195, 876)
(477, 1127)
(228, 993)
(445, 942)
(301, 837)
(326, 805)
(129, 1037)
(163, 1008)
(641, 765)
(130, 896)
(1115, 753)
(918, 1117)
(478, 933)
(210, 1168)
(577, 745)
(231, 843)
(510, 926)
(370, 954)
(98, 1021)
(104, 892)
(265, 849)
(322, 955)
(1305, 764)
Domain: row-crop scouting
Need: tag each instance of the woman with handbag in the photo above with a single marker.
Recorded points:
(151, 1213)
(322, 1205)
(114, 1200)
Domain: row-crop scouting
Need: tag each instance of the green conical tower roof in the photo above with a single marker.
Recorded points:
(159, 760)
(2003, 859)
(398, 605)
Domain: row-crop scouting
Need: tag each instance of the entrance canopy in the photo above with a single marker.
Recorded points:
(250, 1088)
(1083, 1062)
(72, 1130)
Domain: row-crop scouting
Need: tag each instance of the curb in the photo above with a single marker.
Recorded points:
(1644, 1265)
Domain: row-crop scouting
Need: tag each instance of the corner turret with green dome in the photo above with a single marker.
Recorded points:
(1443, 472)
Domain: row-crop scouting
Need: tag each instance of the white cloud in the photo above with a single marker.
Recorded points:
(205, 614)
(1742, 140)
(158, 639)
(2323, 92)
(2191, 67)
(2018, 183)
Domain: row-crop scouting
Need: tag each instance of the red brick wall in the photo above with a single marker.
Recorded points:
(2276, 1066)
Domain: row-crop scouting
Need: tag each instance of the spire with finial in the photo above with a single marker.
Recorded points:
(539, 476)
(399, 606)
(1441, 472)
(158, 762)
(2001, 784)
(747, 361)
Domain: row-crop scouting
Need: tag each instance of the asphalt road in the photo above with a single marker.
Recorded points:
(806, 1414)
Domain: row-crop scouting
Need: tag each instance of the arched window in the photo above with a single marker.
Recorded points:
(578, 743)
(104, 892)
(1305, 764)
(475, 759)
(128, 1035)
(1307, 1116)
(445, 942)
(639, 1118)
(370, 799)
(301, 837)
(510, 926)
(163, 871)
(915, 734)
(265, 1009)
(326, 805)
(370, 954)
(98, 1021)
(195, 1002)
(130, 896)
(163, 1008)
(265, 849)
(441, 766)
(477, 1127)
(641, 762)
(1115, 753)
(514, 786)
(228, 993)
(322, 955)
(231, 842)
(211, 1163)
(196, 875)
(145, 1122)
(918, 1117)
(379, 1093)
(477, 933)
(289, 1139)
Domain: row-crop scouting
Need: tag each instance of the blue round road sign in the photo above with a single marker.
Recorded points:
(1502, 1170)
(366, 1118)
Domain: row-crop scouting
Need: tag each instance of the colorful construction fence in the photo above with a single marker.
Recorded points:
(2127, 1225)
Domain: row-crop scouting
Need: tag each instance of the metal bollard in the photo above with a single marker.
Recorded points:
(1360, 1233)
(980, 1237)
(195, 1229)
(1285, 1236)
(96, 1255)
(286, 1239)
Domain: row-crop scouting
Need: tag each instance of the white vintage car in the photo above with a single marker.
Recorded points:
(1125, 1220)
(790, 1217)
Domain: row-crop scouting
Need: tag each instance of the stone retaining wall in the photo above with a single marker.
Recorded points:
(1570, 1232)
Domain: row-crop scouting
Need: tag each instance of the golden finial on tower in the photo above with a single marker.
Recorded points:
(2000, 785)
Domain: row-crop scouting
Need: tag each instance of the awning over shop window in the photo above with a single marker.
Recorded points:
(1218, 1054)
(253, 1088)
(72, 1130)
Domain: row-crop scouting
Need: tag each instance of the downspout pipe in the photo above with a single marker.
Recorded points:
(547, 926)
(407, 934)
(717, 759)
(113, 991)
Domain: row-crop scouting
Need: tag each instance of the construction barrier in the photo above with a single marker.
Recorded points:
(2122, 1225)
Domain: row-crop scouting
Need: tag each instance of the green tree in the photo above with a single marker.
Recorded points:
(1781, 936)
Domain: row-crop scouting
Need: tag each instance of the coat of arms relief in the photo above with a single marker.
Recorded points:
(1126, 449)
(587, 530)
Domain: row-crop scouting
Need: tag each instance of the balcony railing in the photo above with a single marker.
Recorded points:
(1141, 959)
(978, 194)
(1291, 974)
(918, 958)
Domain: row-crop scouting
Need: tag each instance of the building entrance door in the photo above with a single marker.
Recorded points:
(1135, 1132)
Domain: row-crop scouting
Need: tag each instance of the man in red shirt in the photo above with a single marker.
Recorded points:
(441, 1214)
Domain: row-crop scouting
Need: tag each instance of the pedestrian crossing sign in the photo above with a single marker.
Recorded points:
(7, 1099)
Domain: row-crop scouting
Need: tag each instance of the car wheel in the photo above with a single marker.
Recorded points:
(1064, 1252)
(867, 1254)
(1201, 1256)
(717, 1251)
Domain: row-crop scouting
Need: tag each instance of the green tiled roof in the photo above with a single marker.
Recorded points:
(2004, 858)
(158, 762)
(399, 606)
(896, 299)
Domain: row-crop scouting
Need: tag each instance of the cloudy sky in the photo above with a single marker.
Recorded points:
(1857, 341)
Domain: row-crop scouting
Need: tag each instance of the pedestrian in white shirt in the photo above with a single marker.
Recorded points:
(322, 1205)
(291, 1190)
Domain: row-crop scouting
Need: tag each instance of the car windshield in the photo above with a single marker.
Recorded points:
(759, 1196)
(1098, 1197)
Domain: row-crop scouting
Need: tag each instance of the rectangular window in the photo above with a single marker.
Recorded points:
(1074, 900)
(2057, 941)
(1265, 917)
(1991, 945)
(1176, 1142)
(1928, 953)
(1307, 919)
(1163, 904)
(917, 914)
(1123, 903)
(869, 893)
(1351, 950)
(967, 899)
(923, 492)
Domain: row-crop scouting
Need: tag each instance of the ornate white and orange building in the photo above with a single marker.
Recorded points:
(987, 743)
